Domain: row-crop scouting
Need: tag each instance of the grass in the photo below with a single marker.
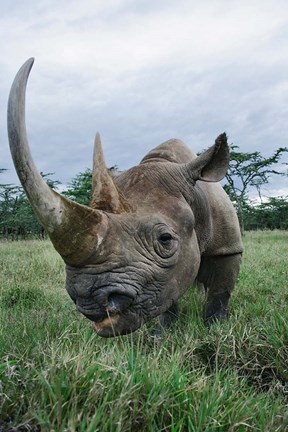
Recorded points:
(56, 374)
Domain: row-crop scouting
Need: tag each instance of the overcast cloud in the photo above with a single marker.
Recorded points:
(142, 72)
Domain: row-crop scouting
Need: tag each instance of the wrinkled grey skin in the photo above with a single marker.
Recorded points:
(147, 235)
(151, 274)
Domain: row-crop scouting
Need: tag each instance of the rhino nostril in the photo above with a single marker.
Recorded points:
(118, 303)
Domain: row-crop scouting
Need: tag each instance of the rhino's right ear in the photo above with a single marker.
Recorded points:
(212, 164)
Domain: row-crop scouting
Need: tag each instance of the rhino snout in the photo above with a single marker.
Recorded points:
(106, 302)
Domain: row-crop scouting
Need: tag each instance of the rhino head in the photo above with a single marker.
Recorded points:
(133, 252)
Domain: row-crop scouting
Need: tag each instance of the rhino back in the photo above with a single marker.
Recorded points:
(173, 150)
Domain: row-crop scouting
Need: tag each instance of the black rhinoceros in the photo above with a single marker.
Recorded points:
(147, 234)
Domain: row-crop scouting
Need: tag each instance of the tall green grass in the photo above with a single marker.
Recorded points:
(56, 374)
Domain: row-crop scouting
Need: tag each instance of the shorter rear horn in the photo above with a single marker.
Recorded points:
(105, 195)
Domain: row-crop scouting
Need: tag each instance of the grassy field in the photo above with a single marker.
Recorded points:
(57, 375)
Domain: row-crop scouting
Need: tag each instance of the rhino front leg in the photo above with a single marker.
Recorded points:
(166, 320)
(218, 274)
(170, 316)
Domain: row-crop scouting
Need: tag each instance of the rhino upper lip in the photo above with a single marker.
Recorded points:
(96, 316)
(92, 314)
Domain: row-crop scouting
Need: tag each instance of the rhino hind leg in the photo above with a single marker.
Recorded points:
(219, 275)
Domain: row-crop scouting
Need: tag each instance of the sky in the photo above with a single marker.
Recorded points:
(141, 72)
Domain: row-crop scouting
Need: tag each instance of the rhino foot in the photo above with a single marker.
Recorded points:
(168, 318)
(216, 308)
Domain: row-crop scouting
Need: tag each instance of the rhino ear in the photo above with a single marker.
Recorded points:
(211, 165)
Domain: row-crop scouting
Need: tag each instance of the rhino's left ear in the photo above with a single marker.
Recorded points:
(211, 165)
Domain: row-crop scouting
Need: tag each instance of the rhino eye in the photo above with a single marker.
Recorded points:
(165, 239)
(165, 243)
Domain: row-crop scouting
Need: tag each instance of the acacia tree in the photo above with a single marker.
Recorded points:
(248, 170)
(80, 187)
(17, 219)
(9, 197)
(272, 214)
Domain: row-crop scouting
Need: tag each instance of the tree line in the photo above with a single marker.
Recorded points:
(246, 171)
(253, 170)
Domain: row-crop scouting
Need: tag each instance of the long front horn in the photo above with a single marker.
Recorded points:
(72, 228)
(105, 195)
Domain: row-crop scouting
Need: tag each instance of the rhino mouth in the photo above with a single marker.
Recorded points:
(101, 321)
(113, 314)
(115, 308)
(107, 324)
(117, 325)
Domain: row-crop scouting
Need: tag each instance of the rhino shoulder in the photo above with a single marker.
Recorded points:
(173, 150)
(225, 236)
